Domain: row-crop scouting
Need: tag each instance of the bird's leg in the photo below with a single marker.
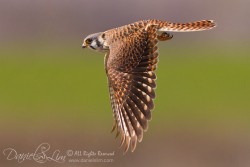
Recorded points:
(164, 36)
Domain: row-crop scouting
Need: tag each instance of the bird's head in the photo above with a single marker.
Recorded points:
(96, 42)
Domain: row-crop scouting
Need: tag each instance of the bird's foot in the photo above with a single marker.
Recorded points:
(164, 36)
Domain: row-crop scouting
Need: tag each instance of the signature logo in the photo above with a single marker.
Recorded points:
(40, 155)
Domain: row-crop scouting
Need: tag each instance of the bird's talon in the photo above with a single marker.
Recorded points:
(164, 36)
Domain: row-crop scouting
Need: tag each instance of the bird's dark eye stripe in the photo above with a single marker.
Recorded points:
(98, 43)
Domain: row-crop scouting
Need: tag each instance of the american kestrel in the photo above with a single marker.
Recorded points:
(130, 61)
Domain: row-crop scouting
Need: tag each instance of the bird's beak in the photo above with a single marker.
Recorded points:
(84, 45)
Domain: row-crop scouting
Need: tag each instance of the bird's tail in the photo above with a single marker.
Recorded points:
(188, 27)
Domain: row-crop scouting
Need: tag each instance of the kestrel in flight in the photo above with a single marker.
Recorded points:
(130, 61)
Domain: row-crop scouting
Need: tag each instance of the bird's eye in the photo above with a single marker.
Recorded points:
(88, 41)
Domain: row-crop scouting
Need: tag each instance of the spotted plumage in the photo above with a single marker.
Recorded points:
(130, 61)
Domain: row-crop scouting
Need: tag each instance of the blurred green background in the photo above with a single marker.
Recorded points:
(53, 91)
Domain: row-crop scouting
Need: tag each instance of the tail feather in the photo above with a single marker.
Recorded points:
(188, 27)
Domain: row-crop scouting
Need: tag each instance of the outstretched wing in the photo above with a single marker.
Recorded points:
(130, 69)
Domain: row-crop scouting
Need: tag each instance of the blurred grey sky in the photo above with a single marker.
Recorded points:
(63, 19)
